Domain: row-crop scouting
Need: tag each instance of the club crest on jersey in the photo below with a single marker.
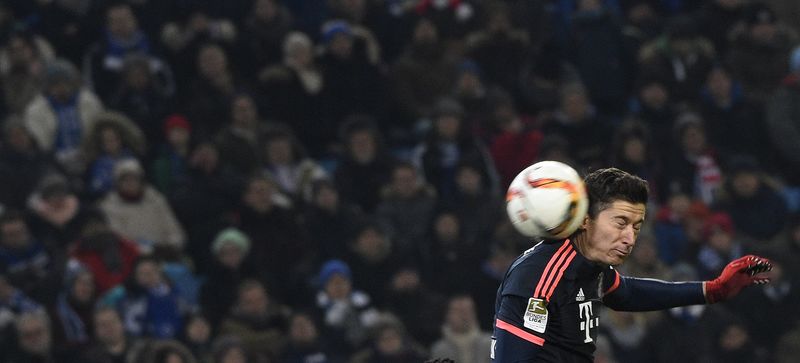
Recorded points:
(581, 296)
(536, 315)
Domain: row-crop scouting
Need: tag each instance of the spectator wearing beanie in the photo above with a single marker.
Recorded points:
(170, 170)
(138, 211)
(218, 293)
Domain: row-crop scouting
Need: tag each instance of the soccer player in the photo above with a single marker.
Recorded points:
(549, 301)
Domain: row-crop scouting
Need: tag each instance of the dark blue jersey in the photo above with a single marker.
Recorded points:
(548, 305)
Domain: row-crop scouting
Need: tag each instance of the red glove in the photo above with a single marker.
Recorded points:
(738, 274)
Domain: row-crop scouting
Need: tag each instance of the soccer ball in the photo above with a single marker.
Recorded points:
(548, 200)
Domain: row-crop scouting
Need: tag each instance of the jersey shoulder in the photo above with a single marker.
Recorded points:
(527, 271)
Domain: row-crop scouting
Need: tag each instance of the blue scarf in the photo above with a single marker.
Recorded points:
(118, 48)
(68, 124)
(74, 328)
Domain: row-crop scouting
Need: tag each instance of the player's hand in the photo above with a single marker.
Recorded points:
(737, 275)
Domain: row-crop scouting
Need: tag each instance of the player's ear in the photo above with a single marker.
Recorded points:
(585, 222)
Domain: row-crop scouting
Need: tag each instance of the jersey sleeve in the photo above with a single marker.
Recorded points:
(637, 294)
(519, 329)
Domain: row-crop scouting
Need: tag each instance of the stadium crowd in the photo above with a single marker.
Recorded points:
(319, 181)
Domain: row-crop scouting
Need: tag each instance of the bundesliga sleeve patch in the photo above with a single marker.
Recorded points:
(536, 315)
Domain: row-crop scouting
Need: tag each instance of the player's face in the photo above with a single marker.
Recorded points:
(612, 235)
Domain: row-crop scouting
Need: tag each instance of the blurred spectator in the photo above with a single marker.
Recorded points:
(686, 334)
(632, 150)
(138, 211)
(373, 260)
(669, 227)
(331, 221)
(207, 100)
(230, 349)
(263, 31)
(164, 351)
(598, 50)
(149, 304)
(107, 255)
(462, 340)
(71, 314)
(292, 92)
(542, 79)
(653, 104)
(753, 201)
(26, 262)
(22, 65)
(110, 344)
(13, 302)
(577, 120)
(419, 78)
(205, 200)
(477, 206)
(142, 96)
(112, 139)
(625, 331)
(693, 165)
(105, 60)
(759, 52)
(279, 249)
(500, 48)
(182, 36)
(783, 121)
(449, 143)
(258, 320)
(717, 19)
(407, 205)
(723, 244)
(285, 161)
(735, 344)
(768, 311)
(238, 142)
(55, 212)
(732, 122)
(60, 117)
(347, 313)
(34, 340)
(170, 169)
(349, 65)
(451, 261)
(218, 293)
(365, 166)
(305, 343)
(471, 92)
(514, 139)
(70, 26)
(197, 337)
(680, 55)
(389, 343)
(22, 164)
(413, 301)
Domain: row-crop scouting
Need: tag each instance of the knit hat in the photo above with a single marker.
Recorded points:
(333, 28)
(176, 120)
(231, 236)
(331, 268)
(60, 70)
(717, 222)
(128, 167)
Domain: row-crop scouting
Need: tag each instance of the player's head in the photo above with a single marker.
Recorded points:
(617, 202)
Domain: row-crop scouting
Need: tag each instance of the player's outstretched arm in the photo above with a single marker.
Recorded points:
(635, 294)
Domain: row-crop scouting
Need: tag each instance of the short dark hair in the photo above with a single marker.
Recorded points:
(604, 186)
